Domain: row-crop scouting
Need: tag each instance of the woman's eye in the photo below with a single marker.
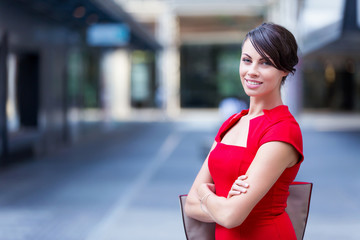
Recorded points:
(246, 60)
(267, 63)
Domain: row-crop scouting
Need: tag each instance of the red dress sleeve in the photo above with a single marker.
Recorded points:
(287, 131)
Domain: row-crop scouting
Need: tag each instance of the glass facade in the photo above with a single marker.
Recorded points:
(331, 83)
(209, 73)
(143, 85)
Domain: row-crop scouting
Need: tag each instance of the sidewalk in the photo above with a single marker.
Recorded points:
(125, 185)
(323, 121)
(315, 120)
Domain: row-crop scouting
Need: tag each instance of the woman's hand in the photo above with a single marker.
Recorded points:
(239, 186)
(205, 189)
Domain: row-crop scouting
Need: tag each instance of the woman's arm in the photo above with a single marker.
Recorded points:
(269, 163)
(192, 205)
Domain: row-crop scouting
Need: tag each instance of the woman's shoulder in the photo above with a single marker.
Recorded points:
(280, 114)
(279, 123)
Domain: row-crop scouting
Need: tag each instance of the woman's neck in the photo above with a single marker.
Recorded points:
(258, 105)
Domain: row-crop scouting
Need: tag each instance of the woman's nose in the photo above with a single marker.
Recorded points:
(253, 70)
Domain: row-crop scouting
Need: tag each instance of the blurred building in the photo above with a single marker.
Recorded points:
(66, 66)
(331, 59)
(54, 70)
(198, 66)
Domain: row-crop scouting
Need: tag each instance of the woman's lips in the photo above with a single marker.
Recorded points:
(252, 83)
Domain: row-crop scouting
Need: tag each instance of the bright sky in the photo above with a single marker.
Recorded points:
(316, 13)
(320, 13)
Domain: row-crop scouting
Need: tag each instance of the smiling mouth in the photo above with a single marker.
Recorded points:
(250, 82)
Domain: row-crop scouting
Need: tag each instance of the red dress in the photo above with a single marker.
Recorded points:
(268, 220)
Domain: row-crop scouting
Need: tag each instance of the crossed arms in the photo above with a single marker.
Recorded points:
(269, 163)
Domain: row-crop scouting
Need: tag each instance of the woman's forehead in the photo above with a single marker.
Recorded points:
(250, 50)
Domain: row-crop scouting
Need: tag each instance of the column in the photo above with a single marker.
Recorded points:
(168, 63)
(116, 91)
(285, 13)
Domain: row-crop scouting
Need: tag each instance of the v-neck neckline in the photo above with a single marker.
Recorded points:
(237, 117)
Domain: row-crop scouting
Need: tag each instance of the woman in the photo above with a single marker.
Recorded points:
(262, 145)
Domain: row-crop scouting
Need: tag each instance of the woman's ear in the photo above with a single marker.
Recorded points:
(285, 74)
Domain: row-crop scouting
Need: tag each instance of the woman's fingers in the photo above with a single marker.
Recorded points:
(239, 186)
(211, 186)
(236, 190)
(233, 193)
(241, 183)
(242, 177)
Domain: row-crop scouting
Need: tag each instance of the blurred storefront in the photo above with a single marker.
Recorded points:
(331, 61)
(58, 78)
(63, 70)
(210, 52)
(198, 65)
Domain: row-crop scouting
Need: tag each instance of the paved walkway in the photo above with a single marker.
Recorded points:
(125, 185)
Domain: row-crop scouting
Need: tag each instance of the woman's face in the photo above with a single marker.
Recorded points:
(258, 77)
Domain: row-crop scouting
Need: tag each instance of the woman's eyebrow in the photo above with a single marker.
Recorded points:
(261, 59)
(247, 55)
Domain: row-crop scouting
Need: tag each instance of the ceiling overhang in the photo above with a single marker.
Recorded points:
(342, 37)
(83, 13)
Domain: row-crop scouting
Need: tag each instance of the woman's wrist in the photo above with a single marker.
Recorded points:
(203, 201)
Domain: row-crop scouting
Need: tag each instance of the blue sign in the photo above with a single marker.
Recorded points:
(108, 35)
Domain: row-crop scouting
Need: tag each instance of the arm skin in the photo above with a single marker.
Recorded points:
(269, 163)
(192, 205)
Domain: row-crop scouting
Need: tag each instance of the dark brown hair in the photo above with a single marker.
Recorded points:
(275, 44)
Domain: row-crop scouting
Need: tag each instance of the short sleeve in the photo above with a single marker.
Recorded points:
(287, 131)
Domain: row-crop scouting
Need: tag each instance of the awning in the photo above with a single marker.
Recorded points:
(340, 37)
(83, 13)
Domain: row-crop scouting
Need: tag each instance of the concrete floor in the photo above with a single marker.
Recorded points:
(125, 184)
